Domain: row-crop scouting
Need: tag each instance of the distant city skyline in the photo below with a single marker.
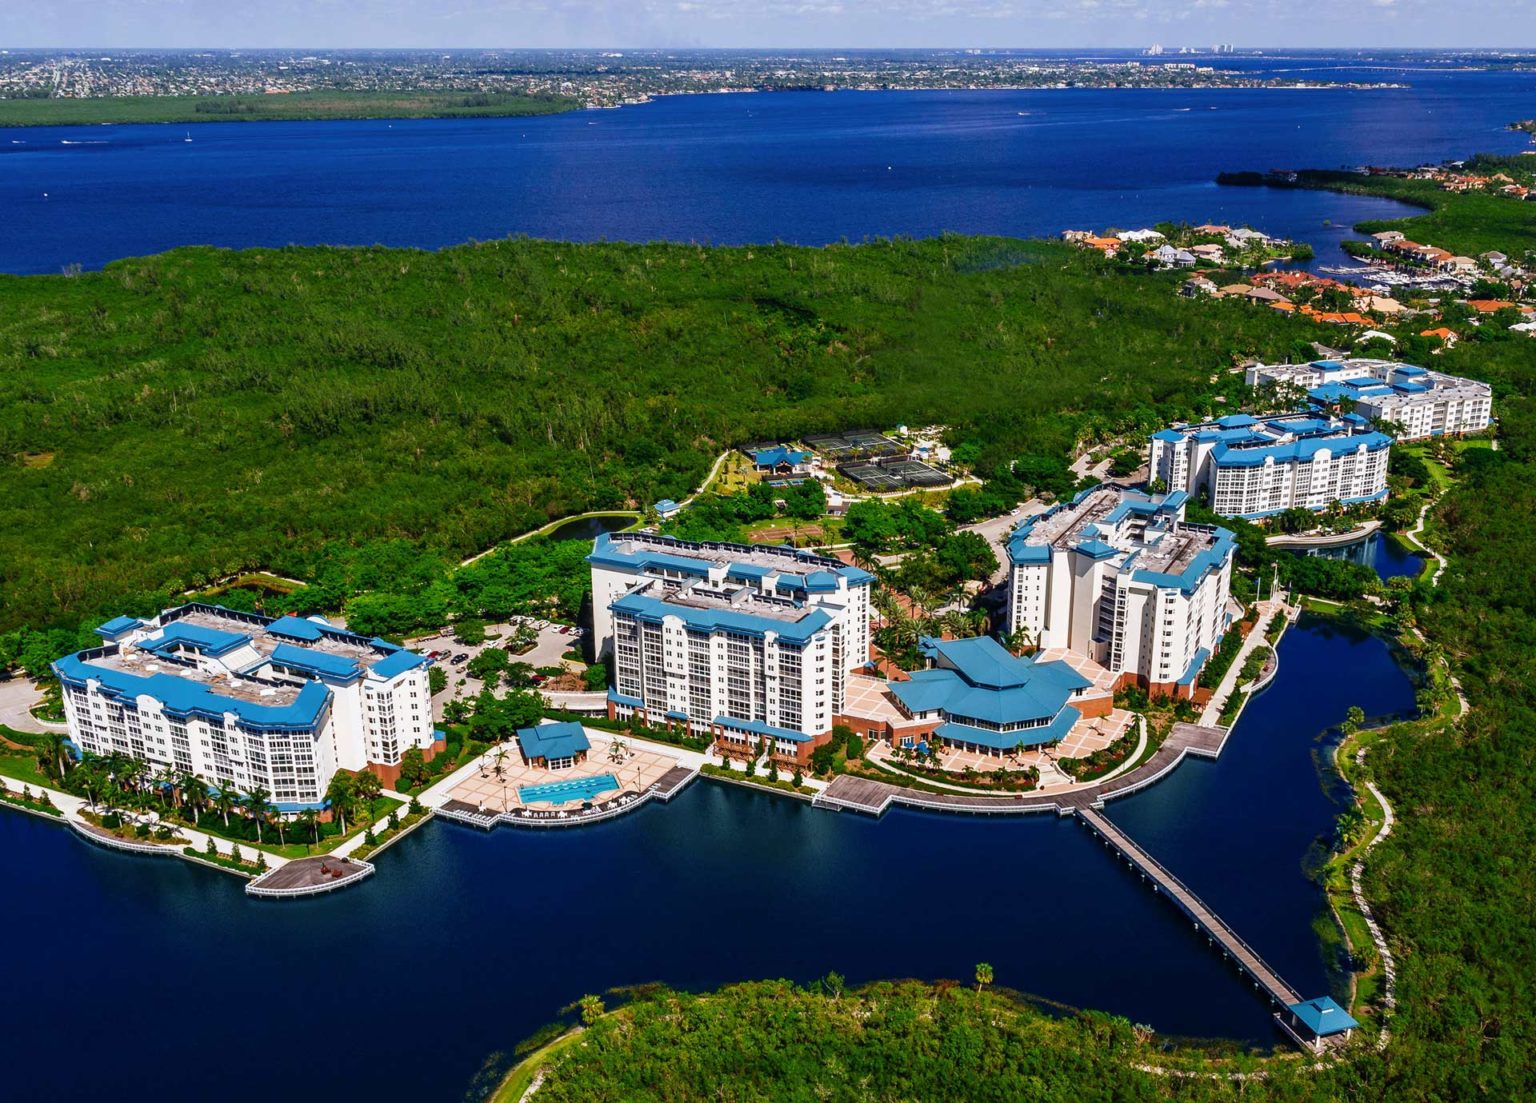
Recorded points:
(407, 24)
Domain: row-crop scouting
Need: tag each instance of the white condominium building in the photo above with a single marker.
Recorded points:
(1252, 467)
(249, 700)
(1420, 402)
(1120, 577)
(738, 641)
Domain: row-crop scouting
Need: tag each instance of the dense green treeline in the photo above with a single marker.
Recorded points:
(886, 1042)
(326, 104)
(171, 420)
(1455, 883)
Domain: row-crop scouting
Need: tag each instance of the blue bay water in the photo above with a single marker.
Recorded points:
(472, 941)
(802, 167)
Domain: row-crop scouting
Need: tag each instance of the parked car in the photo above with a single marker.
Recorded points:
(460, 659)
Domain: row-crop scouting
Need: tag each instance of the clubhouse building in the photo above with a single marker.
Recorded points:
(1419, 402)
(1253, 467)
(977, 696)
(1119, 577)
(749, 645)
(247, 700)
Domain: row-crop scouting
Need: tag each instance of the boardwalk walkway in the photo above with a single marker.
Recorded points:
(1211, 924)
(861, 794)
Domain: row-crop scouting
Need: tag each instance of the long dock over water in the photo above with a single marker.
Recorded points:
(1211, 924)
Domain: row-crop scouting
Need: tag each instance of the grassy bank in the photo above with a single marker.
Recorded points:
(292, 107)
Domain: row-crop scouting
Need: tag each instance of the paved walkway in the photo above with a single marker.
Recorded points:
(862, 794)
(1268, 608)
(71, 805)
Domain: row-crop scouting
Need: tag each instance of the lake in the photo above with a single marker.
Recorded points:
(1380, 552)
(465, 942)
(809, 168)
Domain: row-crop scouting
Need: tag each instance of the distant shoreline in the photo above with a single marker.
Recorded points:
(286, 107)
(342, 106)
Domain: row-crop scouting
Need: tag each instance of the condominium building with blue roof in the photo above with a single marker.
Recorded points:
(1418, 402)
(279, 703)
(1118, 576)
(744, 643)
(1252, 467)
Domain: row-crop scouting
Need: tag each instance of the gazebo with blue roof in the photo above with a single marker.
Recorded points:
(1312, 1022)
(556, 746)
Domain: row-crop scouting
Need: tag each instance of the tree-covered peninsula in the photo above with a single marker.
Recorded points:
(175, 419)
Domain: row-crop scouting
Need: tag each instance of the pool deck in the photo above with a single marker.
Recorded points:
(485, 793)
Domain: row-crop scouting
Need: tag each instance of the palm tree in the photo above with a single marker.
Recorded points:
(225, 797)
(258, 807)
(983, 975)
(339, 796)
(53, 755)
(366, 786)
(308, 821)
(194, 793)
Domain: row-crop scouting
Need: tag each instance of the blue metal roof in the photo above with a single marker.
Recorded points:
(1299, 450)
(319, 663)
(1323, 1016)
(1170, 435)
(711, 619)
(757, 727)
(667, 505)
(772, 457)
(1097, 549)
(560, 740)
(625, 699)
(1233, 421)
(296, 628)
(398, 663)
(1192, 671)
(1007, 741)
(978, 679)
(650, 556)
(206, 641)
(117, 626)
(1211, 559)
(184, 697)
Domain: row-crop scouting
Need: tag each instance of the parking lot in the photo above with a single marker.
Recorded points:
(454, 657)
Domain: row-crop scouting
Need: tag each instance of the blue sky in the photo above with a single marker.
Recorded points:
(746, 23)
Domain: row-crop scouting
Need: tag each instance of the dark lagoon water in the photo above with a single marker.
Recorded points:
(808, 168)
(588, 528)
(1378, 551)
(472, 941)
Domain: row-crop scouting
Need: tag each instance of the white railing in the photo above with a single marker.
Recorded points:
(487, 820)
(168, 848)
(256, 888)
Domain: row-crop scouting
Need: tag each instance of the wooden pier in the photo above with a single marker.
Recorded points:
(1207, 921)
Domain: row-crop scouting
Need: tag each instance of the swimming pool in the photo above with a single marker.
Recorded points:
(559, 792)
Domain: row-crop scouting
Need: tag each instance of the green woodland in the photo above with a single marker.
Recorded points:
(331, 104)
(173, 420)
